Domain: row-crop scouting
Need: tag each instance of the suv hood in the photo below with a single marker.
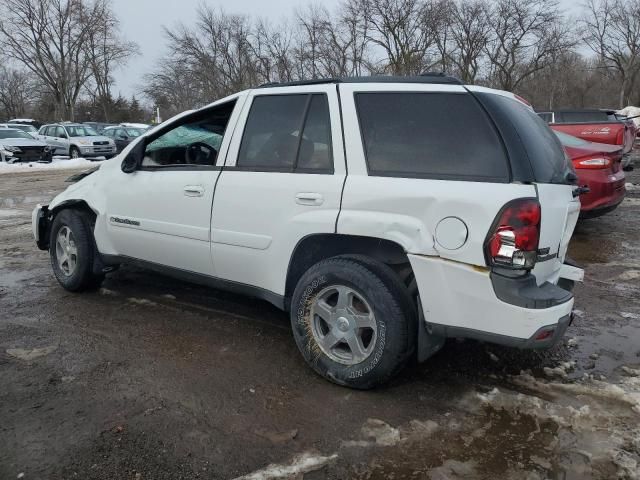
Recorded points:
(22, 142)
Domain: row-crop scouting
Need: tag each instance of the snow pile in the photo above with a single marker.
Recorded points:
(597, 421)
(305, 463)
(58, 163)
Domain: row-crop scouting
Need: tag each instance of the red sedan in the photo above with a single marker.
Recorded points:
(599, 166)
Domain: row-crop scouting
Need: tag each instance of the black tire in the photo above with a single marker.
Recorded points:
(394, 315)
(74, 152)
(82, 276)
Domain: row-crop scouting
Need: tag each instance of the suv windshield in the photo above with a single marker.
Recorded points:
(81, 131)
(10, 133)
(24, 128)
(133, 132)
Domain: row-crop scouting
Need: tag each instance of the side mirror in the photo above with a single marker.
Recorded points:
(123, 137)
(134, 158)
(64, 135)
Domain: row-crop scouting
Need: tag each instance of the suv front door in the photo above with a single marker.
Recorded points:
(282, 181)
(161, 212)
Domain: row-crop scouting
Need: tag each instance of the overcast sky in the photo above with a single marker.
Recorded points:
(142, 22)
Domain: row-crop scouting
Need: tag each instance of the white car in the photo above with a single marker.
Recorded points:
(385, 214)
(77, 140)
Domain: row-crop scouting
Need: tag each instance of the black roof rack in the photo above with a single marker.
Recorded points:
(428, 77)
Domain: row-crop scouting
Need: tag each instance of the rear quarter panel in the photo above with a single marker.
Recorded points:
(407, 210)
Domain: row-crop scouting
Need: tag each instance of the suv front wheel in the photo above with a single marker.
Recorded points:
(71, 248)
(350, 317)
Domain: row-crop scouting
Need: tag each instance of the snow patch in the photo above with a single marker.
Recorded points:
(57, 164)
(141, 301)
(596, 420)
(305, 463)
(32, 353)
(629, 275)
(380, 432)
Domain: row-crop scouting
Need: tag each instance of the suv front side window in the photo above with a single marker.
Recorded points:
(193, 143)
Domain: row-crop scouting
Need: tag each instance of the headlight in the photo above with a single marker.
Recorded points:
(84, 142)
(47, 148)
(10, 148)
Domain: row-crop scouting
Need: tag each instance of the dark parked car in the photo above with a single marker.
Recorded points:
(99, 126)
(123, 136)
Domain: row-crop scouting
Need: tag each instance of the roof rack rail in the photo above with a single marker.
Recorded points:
(427, 77)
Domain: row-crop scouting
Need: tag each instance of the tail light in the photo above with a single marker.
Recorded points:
(513, 239)
(593, 163)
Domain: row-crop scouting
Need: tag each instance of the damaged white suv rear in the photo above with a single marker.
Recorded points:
(385, 214)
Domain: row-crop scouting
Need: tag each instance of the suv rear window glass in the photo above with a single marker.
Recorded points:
(430, 135)
(543, 149)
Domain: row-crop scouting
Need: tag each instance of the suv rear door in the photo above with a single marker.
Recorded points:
(282, 181)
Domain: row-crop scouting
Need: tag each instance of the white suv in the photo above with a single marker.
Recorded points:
(384, 214)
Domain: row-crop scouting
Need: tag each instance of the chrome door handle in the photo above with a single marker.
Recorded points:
(194, 190)
(309, 198)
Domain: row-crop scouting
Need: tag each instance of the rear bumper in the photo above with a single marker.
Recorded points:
(607, 190)
(460, 300)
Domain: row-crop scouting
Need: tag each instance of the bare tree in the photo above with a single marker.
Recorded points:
(48, 38)
(331, 45)
(106, 51)
(406, 30)
(469, 34)
(613, 33)
(15, 89)
(524, 35)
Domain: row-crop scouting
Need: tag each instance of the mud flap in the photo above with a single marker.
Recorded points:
(428, 342)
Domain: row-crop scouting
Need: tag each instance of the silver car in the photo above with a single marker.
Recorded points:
(77, 140)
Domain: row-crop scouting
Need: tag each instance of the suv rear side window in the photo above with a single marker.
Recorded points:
(430, 135)
(272, 140)
(543, 149)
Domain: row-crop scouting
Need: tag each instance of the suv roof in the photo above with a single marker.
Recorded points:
(430, 77)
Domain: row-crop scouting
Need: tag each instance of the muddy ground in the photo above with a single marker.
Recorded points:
(154, 378)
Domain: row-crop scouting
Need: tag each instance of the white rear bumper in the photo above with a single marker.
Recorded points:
(461, 299)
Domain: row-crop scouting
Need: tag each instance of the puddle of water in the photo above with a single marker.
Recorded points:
(585, 247)
(12, 278)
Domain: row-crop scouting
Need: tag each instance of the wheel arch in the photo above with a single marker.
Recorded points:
(316, 247)
(73, 204)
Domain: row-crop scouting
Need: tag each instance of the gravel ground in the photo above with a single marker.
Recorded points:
(159, 379)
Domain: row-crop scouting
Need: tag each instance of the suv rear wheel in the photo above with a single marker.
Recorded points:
(350, 317)
(72, 250)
